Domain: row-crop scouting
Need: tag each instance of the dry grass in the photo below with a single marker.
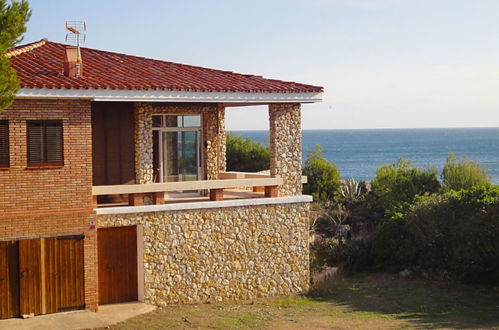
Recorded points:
(373, 301)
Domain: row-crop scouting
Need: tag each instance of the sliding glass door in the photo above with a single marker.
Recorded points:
(177, 148)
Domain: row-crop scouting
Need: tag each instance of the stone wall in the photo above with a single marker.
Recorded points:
(213, 118)
(222, 254)
(285, 147)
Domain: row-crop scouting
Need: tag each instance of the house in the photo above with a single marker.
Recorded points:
(113, 185)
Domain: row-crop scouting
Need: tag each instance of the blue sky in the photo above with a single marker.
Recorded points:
(383, 63)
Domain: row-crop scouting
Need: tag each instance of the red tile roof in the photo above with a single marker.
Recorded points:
(40, 65)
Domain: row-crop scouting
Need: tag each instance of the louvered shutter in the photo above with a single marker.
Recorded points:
(35, 142)
(45, 143)
(4, 143)
(53, 142)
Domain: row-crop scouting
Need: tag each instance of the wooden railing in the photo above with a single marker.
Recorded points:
(137, 192)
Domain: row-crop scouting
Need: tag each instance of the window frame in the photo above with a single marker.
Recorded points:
(7, 165)
(44, 163)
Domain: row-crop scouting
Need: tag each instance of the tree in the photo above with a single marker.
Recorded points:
(246, 155)
(464, 174)
(323, 176)
(13, 19)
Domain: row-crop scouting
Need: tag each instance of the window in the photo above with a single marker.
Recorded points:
(4, 143)
(176, 121)
(45, 143)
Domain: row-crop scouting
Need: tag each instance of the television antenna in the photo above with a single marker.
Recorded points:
(76, 34)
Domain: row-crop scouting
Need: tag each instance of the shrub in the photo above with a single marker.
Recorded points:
(352, 192)
(463, 174)
(398, 183)
(451, 233)
(323, 176)
(246, 155)
(351, 254)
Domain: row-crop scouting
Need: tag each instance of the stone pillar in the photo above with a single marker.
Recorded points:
(143, 144)
(285, 147)
(214, 139)
(222, 155)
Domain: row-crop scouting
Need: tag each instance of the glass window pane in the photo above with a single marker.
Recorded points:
(180, 156)
(172, 121)
(192, 121)
(156, 121)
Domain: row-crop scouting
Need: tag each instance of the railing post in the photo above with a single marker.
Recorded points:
(94, 201)
(271, 191)
(216, 194)
(159, 198)
(135, 199)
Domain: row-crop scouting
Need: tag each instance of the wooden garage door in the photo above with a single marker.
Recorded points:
(41, 276)
(64, 274)
(117, 253)
(9, 279)
(30, 276)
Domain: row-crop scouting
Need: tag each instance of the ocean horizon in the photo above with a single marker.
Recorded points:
(359, 152)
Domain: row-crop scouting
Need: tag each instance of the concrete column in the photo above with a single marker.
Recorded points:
(285, 147)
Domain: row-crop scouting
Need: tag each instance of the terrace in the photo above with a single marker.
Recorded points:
(150, 155)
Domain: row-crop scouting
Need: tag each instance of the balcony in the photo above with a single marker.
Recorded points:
(228, 186)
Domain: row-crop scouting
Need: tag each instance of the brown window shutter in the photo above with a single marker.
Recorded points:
(45, 143)
(53, 142)
(4, 143)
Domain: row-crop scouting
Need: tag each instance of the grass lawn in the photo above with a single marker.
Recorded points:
(366, 301)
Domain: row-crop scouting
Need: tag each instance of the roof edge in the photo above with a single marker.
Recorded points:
(169, 96)
(25, 48)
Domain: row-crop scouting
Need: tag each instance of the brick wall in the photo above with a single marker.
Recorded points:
(45, 202)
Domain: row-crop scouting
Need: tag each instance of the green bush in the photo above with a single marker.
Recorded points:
(323, 176)
(398, 183)
(453, 233)
(463, 174)
(351, 254)
(246, 155)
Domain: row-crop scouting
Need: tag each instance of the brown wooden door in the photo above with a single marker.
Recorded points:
(41, 276)
(117, 254)
(63, 274)
(9, 279)
(30, 265)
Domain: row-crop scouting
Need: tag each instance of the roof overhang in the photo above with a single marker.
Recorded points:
(169, 96)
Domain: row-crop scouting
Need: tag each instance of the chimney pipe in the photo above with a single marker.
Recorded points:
(73, 66)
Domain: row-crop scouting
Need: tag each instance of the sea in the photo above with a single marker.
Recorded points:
(359, 152)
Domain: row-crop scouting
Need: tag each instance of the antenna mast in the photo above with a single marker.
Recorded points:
(77, 33)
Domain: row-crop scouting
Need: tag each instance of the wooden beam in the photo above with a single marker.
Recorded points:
(185, 185)
(242, 175)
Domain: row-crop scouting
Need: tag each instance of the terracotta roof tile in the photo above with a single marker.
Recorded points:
(40, 65)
